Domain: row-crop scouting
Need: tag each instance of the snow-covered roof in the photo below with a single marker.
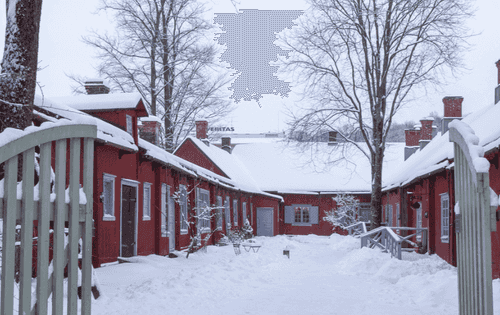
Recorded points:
(229, 164)
(438, 153)
(105, 131)
(165, 157)
(286, 169)
(98, 102)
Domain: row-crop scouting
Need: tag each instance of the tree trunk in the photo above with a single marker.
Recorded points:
(167, 81)
(19, 64)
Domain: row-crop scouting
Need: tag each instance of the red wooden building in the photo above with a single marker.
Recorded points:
(423, 186)
(134, 181)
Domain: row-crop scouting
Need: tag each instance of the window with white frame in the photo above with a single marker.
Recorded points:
(388, 212)
(183, 204)
(301, 214)
(146, 198)
(418, 213)
(203, 209)
(244, 212)
(235, 211)
(108, 197)
(251, 213)
(365, 212)
(227, 213)
(129, 124)
(398, 216)
(445, 218)
(164, 214)
(219, 212)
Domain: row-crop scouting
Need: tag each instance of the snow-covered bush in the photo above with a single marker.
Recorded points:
(346, 212)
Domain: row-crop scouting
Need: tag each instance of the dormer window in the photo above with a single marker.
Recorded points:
(129, 124)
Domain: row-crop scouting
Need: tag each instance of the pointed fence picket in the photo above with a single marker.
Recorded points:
(78, 218)
(474, 222)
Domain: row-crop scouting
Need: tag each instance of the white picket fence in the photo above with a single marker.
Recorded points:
(77, 217)
(474, 222)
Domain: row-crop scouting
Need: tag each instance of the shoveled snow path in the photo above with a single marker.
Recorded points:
(324, 275)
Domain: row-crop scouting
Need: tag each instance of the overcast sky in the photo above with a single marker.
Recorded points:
(65, 22)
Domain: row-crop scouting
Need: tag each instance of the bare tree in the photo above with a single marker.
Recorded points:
(360, 60)
(19, 64)
(161, 49)
(199, 220)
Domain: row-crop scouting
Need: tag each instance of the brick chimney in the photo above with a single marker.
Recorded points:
(332, 138)
(452, 110)
(96, 87)
(412, 137)
(201, 129)
(425, 131)
(226, 144)
(150, 130)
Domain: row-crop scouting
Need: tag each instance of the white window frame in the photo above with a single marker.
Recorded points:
(398, 217)
(445, 218)
(363, 207)
(301, 208)
(219, 211)
(389, 215)
(418, 214)
(108, 216)
(227, 212)
(203, 224)
(235, 212)
(146, 202)
(164, 214)
(183, 204)
(244, 211)
(129, 123)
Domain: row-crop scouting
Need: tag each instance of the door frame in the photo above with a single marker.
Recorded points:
(272, 219)
(135, 184)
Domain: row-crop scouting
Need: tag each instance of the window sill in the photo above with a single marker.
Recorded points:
(146, 218)
(445, 239)
(184, 232)
(302, 224)
(108, 218)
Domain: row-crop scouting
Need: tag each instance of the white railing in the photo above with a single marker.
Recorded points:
(357, 229)
(20, 214)
(389, 241)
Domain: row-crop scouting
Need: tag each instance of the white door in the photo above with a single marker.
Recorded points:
(265, 222)
(171, 221)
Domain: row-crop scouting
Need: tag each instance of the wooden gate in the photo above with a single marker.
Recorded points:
(475, 221)
(36, 204)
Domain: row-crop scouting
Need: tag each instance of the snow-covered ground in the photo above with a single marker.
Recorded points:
(324, 275)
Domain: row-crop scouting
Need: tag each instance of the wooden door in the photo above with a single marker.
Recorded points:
(128, 220)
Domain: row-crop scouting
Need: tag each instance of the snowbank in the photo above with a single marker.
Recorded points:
(324, 275)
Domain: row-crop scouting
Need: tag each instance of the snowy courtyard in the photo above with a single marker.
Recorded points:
(324, 275)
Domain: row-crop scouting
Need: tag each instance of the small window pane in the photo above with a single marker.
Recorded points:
(108, 198)
(147, 201)
(235, 211)
(305, 215)
(298, 218)
(129, 124)
(183, 206)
